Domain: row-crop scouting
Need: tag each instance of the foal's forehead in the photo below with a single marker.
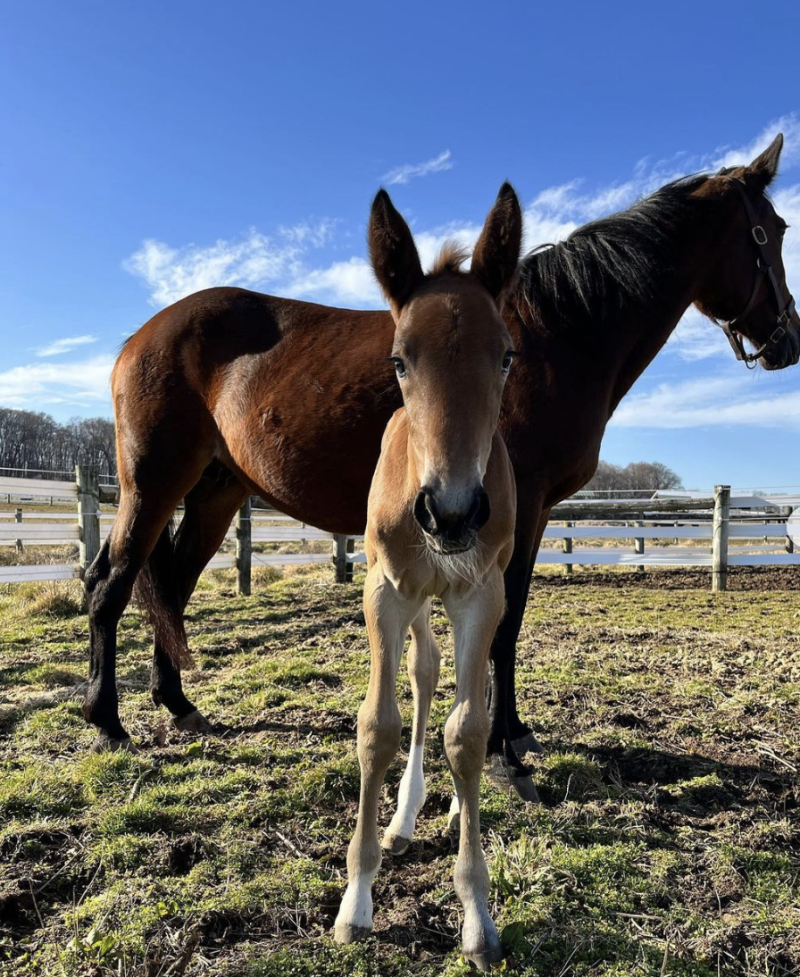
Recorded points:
(449, 307)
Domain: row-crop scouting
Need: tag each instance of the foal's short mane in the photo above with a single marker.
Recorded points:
(620, 258)
(450, 259)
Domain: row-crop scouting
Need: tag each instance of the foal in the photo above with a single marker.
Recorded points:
(440, 522)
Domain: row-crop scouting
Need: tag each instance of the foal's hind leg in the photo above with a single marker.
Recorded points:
(423, 669)
(389, 617)
(209, 508)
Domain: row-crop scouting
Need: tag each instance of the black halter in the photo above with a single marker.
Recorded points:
(763, 267)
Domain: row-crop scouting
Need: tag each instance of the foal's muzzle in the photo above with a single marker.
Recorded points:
(448, 529)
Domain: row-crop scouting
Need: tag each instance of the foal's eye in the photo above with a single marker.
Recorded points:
(399, 367)
(508, 359)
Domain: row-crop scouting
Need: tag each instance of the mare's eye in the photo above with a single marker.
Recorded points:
(399, 367)
(508, 359)
(783, 229)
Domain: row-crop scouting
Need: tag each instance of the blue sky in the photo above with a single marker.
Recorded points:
(150, 149)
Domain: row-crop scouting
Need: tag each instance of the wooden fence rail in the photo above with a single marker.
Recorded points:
(722, 531)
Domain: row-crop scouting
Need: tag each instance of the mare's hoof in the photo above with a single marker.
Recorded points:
(395, 844)
(345, 933)
(526, 744)
(484, 959)
(107, 744)
(194, 722)
(503, 775)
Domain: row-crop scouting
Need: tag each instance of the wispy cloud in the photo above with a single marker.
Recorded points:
(412, 171)
(252, 261)
(65, 345)
(713, 402)
(789, 125)
(310, 233)
(172, 273)
(81, 384)
(343, 283)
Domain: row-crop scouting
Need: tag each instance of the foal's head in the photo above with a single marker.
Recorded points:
(452, 354)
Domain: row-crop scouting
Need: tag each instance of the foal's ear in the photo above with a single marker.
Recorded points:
(762, 171)
(393, 253)
(496, 255)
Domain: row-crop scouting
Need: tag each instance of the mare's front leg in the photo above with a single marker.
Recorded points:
(388, 617)
(423, 670)
(475, 619)
(505, 767)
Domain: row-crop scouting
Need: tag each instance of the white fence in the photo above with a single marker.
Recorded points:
(719, 532)
(20, 528)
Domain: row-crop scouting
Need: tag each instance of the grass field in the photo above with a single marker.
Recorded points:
(668, 841)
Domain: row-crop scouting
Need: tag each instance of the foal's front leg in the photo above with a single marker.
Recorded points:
(475, 619)
(423, 670)
(388, 617)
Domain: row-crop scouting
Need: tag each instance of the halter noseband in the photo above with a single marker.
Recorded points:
(763, 267)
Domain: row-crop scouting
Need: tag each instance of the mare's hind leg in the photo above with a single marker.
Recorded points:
(423, 670)
(209, 508)
(109, 584)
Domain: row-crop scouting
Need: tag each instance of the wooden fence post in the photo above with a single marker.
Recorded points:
(568, 548)
(787, 512)
(18, 518)
(88, 480)
(244, 548)
(638, 547)
(719, 543)
(340, 558)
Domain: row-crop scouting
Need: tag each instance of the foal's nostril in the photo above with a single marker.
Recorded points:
(425, 511)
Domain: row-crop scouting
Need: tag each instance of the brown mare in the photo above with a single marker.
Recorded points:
(440, 523)
(230, 392)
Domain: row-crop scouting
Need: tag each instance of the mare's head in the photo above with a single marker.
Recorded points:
(745, 289)
(452, 354)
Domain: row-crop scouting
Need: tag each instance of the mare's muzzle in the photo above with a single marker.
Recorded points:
(451, 529)
(779, 355)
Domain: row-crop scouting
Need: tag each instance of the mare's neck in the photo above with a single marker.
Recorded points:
(638, 331)
(610, 347)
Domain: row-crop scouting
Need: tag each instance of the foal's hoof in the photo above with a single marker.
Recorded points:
(503, 775)
(453, 820)
(526, 744)
(345, 933)
(395, 844)
(485, 958)
(107, 744)
(193, 722)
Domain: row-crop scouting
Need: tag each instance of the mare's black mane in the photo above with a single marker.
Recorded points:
(611, 261)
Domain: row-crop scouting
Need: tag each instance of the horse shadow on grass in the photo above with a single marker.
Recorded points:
(673, 786)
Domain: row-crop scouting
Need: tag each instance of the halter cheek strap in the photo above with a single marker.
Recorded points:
(763, 267)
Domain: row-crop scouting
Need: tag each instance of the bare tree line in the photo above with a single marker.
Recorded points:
(34, 441)
(639, 478)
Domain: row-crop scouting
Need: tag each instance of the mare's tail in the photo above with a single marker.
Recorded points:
(158, 593)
